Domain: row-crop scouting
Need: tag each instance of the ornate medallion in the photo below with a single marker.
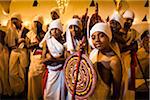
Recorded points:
(86, 76)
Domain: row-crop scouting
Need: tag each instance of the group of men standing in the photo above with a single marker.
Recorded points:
(36, 57)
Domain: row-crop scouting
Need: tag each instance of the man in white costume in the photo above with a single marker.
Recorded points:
(116, 24)
(55, 14)
(36, 69)
(19, 60)
(73, 35)
(128, 49)
(73, 39)
(54, 59)
(131, 34)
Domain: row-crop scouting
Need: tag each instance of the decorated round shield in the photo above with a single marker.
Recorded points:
(86, 76)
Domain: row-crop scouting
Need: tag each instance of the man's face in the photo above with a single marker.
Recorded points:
(128, 23)
(100, 40)
(56, 33)
(54, 15)
(75, 31)
(115, 26)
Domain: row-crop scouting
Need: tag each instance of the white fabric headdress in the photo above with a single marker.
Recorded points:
(128, 14)
(101, 27)
(56, 9)
(54, 24)
(55, 47)
(76, 22)
(117, 17)
(32, 33)
(69, 41)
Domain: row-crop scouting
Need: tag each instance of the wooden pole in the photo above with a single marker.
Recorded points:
(77, 68)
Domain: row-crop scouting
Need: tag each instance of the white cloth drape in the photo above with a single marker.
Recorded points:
(55, 85)
(56, 48)
(72, 43)
(55, 82)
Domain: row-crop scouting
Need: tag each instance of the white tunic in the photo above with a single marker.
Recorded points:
(55, 85)
(55, 82)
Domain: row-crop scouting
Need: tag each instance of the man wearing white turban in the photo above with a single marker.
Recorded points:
(73, 39)
(130, 35)
(36, 69)
(128, 49)
(106, 61)
(92, 20)
(53, 85)
(19, 60)
(55, 14)
(73, 35)
(116, 24)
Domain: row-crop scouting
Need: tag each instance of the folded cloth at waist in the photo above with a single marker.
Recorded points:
(53, 63)
(55, 68)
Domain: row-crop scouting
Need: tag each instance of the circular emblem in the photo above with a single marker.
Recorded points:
(86, 76)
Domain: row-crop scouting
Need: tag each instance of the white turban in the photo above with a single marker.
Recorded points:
(39, 18)
(76, 22)
(117, 17)
(56, 49)
(69, 41)
(101, 27)
(55, 9)
(54, 24)
(128, 14)
(17, 15)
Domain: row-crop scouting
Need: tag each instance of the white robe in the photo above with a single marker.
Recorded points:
(35, 71)
(35, 78)
(17, 63)
(55, 82)
(55, 85)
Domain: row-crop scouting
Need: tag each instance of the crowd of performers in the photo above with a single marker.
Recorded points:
(31, 61)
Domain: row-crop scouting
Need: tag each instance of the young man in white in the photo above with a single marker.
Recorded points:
(36, 70)
(54, 88)
(19, 58)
